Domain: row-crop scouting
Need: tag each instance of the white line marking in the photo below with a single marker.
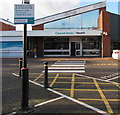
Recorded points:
(49, 101)
(15, 74)
(112, 78)
(69, 63)
(97, 79)
(66, 67)
(57, 62)
(74, 100)
(66, 71)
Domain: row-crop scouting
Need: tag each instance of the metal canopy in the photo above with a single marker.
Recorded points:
(70, 13)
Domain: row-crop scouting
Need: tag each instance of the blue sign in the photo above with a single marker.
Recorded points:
(24, 14)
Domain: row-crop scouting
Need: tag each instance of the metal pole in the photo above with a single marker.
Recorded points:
(20, 66)
(25, 46)
(24, 71)
(25, 89)
(46, 75)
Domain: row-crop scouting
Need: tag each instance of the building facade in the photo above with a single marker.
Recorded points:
(88, 31)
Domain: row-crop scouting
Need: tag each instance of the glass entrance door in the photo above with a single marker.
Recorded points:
(76, 49)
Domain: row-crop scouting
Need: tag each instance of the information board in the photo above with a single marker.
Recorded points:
(24, 14)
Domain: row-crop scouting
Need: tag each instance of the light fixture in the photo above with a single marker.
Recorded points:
(105, 33)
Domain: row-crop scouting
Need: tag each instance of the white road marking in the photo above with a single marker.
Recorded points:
(49, 101)
(15, 74)
(96, 78)
(112, 78)
(66, 71)
(74, 100)
(67, 67)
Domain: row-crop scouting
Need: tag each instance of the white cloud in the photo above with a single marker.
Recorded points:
(42, 7)
(49, 7)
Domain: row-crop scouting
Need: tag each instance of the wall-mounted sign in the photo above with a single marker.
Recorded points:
(66, 33)
(58, 33)
(24, 13)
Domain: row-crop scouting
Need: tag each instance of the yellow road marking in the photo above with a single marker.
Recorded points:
(54, 80)
(113, 99)
(72, 85)
(84, 89)
(84, 83)
(90, 99)
(76, 89)
(67, 77)
(34, 73)
(81, 78)
(86, 99)
(38, 77)
(106, 64)
(77, 82)
(118, 85)
(84, 61)
(60, 77)
(103, 97)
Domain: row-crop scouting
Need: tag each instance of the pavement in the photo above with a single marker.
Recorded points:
(87, 92)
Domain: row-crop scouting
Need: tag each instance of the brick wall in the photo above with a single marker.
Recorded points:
(6, 27)
(104, 25)
(38, 27)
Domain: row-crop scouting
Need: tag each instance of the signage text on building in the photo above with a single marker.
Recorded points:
(61, 33)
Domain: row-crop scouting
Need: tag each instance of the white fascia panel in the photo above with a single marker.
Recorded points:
(65, 33)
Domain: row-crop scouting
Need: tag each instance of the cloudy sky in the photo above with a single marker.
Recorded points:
(48, 7)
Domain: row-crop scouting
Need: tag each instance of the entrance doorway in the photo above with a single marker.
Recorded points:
(76, 49)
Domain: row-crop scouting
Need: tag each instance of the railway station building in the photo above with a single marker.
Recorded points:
(88, 31)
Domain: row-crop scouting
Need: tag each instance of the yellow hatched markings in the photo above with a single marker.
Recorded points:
(38, 77)
(113, 99)
(54, 80)
(106, 64)
(34, 73)
(103, 97)
(68, 77)
(72, 86)
(118, 86)
(86, 89)
(87, 83)
(86, 99)
(59, 77)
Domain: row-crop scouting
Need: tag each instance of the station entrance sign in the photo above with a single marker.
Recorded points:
(24, 14)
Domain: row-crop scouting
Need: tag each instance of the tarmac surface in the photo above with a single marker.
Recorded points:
(92, 88)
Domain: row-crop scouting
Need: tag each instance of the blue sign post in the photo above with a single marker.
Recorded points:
(24, 14)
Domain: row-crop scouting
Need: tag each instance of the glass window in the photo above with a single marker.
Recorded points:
(87, 21)
(91, 43)
(56, 43)
(77, 45)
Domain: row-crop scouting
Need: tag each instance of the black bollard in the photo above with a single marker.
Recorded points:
(46, 75)
(20, 66)
(25, 89)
